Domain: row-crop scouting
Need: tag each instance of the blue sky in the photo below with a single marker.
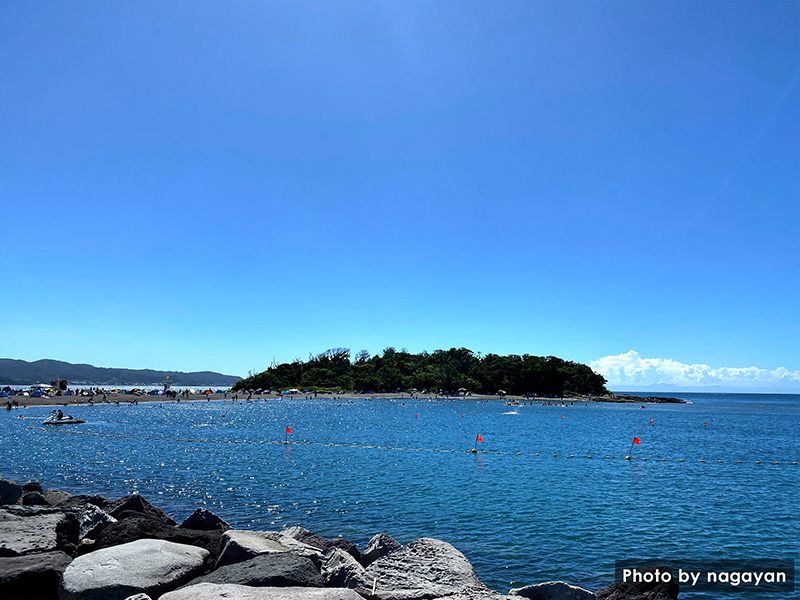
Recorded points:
(211, 185)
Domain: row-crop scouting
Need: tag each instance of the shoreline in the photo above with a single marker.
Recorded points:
(129, 398)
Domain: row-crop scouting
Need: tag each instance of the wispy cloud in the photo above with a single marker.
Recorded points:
(630, 371)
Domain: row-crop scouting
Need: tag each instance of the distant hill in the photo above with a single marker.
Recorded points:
(20, 372)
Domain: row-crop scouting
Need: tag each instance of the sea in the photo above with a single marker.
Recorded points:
(547, 495)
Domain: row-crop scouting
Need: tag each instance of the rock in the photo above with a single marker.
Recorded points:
(136, 504)
(92, 520)
(139, 597)
(33, 486)
(25, 534)
(553, 590)
(268, 570)
(145, 527)
(380, 545)
(67, 534)
(640, 591)
(204, 520)
(10, 492)
(56, 497)
(317, 541)
(81, 500)
(212, 591)
(152, 567)
(238, 545)
(427, 568)
(33, 575)
(340, 569)
(34, 499)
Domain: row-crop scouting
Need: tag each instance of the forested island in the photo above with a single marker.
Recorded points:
(454, 371)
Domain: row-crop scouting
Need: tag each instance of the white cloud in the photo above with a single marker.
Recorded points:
(630, 370)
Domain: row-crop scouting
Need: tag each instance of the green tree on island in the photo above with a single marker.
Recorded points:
(447, 371)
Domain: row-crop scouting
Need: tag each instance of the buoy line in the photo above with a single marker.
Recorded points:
(411, 449)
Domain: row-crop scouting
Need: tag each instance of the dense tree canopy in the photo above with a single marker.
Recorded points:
(446, 371)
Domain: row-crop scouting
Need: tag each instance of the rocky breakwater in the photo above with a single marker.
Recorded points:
(54, 545)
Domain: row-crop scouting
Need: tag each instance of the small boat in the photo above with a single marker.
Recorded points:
(64, 420)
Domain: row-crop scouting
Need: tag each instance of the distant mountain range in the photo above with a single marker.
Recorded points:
(21, 372)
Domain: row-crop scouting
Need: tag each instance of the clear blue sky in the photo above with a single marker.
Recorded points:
(208, 185)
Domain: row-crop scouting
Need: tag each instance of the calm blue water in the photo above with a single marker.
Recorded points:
(520, 519)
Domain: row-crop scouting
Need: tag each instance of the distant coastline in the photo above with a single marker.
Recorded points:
(21, 372)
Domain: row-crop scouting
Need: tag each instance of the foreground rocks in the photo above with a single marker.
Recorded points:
(145, 566)
(33, 575)
(55, 545)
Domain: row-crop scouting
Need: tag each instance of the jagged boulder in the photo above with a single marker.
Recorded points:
(380, 545)
(238, 545)
(268, 570)
(32, 486)
(152, 567)
(204, 520)
(135, 505)
(213, 591)
(426, 568)
(26, 531)
(641, 591)
(553, 590)
(340, 569)
(32, 576)
(91, 520)
(321, 543)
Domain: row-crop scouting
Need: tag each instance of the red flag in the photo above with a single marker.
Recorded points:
(636, 441)
(289, 430)
(479, 438)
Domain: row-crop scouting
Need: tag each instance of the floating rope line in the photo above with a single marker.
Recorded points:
(373, 447)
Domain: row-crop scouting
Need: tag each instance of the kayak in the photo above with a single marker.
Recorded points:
(65, 420)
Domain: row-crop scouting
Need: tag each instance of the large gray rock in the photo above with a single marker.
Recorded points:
(145, 566)
(426, 568)
(268, 570)
(340, 569)
(30, 533)
(212, 591)
(238, 545)
(32, 576)
(10, 492)
(321, 543)
(204, 520)
(553, 590)
(380, 545)
(89, 519)
(640, 591)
